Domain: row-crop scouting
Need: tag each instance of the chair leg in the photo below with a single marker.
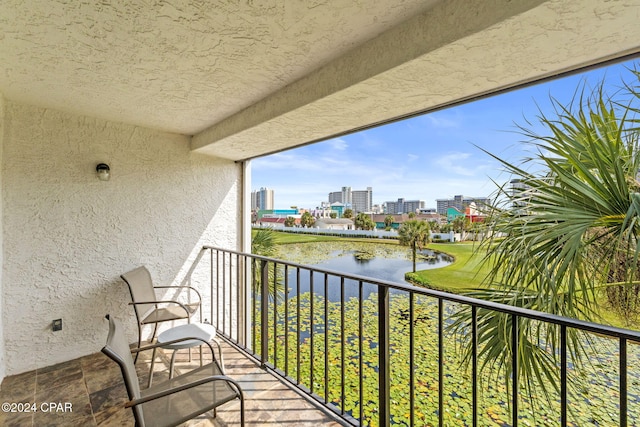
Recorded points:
(155, 329)
(173, 361)
(221, 361)
(242, 411)
(139, 342)
(153, 360)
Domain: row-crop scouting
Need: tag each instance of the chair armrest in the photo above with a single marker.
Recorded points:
(234, 385)
(164, 344)
(184, 307)
(157, 301)
(182, 287)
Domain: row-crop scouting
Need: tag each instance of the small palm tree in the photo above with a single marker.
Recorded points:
(263, 243)
(414, 233)
(388, 221)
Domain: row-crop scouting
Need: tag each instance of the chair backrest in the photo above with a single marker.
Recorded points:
(141, 289)
(117, 348)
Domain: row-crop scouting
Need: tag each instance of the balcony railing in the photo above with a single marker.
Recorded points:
(381, 353)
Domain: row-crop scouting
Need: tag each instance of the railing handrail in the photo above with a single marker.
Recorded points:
(597, 328)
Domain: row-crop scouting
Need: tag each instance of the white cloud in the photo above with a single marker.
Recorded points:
(443, 120)
(337, 144)
(462, 163)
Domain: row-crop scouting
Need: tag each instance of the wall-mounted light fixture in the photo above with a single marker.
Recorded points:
(103, 171)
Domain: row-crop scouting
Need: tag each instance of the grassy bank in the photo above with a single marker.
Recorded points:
(464, 273)
(282, 238)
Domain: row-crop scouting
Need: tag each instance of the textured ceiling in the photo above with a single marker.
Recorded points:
(245, 78)
(179, 66)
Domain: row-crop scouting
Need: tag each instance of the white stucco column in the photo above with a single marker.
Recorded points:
(245, 246)
(245, 208)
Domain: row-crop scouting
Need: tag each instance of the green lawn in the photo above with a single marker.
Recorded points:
(465, 273)
(282, 238)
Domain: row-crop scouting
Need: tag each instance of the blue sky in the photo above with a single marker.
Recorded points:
(429, 157)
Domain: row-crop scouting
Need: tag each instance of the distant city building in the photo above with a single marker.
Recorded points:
(428, 211)
(519, 193)
(361, 200)
(276, 213)
(343, 196)
(357, 200)
(460, 203)
(262, 199)
(326, 210)
(398, 219)
(334, 224)
(404, 206)
(453, 213)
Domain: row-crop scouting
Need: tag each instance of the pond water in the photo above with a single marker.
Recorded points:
(375, 260)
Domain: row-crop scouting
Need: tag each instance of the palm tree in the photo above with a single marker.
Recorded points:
(414, 233)
(364, 222)
(307, 220)
(263, 243)
(388, 221)
(572, 231)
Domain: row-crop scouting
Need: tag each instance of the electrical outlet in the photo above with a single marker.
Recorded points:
(56, 325)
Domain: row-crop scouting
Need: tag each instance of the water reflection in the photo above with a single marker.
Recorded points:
(385, 262)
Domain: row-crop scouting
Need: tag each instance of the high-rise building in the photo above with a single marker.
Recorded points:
(404, 206)
(460, 202)
(519, 193)
(361, 200)
(262, 199)
(357, 200)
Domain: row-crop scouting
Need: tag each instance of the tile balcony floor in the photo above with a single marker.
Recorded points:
(93, 386)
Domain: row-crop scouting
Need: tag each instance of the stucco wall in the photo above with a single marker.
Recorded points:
(2, 351)
(68, 236)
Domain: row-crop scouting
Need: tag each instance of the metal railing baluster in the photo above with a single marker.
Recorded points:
(286, 320)
(623, 382)
(563, 375)
(211, 283)
(342, 345)
(412, 353)
(326, 338)
(440, 362)
(474, 365)
(384, 370)
(217, 290)
(360, 361)
(298, 343)
(264, 313)
(275, 317)
(515, 369)
(254, 304)
(224, 292)
(237, 303)
(311, 332)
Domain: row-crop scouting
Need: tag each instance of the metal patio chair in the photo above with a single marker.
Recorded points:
(151, 310)
(177, 400)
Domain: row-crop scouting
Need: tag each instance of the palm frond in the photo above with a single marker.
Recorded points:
(574, 228)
